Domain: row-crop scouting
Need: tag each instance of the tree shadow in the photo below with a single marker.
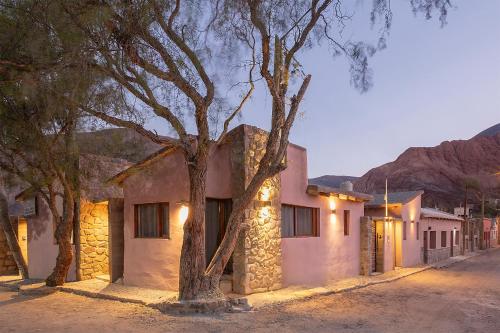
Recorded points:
(23, 296)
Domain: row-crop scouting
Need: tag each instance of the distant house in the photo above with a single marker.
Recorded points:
(298, 234)
(409, 235)
(459, 211)
(99, 205)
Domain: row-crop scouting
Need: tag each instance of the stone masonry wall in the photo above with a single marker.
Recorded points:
(257, 257)
(7, 263)
(436, 255)
(94, 240)
(366, 246)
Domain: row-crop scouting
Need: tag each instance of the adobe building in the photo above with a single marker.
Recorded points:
(100, 208)
(400, 233)
(298, 234)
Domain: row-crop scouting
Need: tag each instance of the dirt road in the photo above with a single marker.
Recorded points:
(462, 298)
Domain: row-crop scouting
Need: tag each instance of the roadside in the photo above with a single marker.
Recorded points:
(465, 297)
(97, 288)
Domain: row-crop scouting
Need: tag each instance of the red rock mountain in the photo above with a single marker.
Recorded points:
(440, 171)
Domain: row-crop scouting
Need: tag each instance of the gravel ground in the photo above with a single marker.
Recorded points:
(462, 298)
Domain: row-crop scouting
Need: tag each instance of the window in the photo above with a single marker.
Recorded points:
(347, 222)
(443, 238)
(152, 220)
(404, 230)
(432, 240)
(418, 230)
(457, 237)
(299, 221)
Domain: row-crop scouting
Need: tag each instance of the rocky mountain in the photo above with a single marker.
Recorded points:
(442, 170)
(490, 131)
(331, 180)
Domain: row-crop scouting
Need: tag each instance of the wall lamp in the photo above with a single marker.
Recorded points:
(429, 228)
(412, 221)
(264, 197)
(183, 211)
(333, 207)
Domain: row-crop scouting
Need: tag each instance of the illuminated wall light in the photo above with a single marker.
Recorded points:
(264, 196)
(265, 212)
(183, 211)
(333, 206)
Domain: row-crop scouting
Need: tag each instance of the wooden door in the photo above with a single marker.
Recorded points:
(217, 213)
(116, 239)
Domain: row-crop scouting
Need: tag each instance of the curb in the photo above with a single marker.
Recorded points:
(364, 285)
(339, 291)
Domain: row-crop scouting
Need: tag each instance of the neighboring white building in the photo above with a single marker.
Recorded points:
(459, 211)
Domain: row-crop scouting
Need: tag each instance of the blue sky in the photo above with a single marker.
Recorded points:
(431, 84)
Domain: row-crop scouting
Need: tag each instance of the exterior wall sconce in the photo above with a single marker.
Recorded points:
(264, 197)
(412, 221)
(429, 228)
(333, 207)
(183, 211)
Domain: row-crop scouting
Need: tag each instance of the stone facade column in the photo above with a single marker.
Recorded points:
(257, 256)
(366, 245)
(94, 240)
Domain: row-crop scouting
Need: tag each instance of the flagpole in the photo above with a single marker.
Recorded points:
(386, 199)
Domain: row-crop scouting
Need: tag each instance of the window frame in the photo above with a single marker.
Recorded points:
(160, 226)
(347, 222)
(315, 215)
(444, 239)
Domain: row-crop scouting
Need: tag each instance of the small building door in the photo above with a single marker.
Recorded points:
(217, 213)
(426, 259)
(116, 244)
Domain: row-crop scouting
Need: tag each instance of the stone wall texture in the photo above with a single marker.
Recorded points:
(7, 263)
(366, 245)
(94, 240)
(436, 255)
(257, 256)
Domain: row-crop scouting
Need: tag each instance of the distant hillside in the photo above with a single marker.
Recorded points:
(440, 171)
(331, 180)
(493, 130)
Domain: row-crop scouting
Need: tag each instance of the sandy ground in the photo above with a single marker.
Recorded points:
(462, 298)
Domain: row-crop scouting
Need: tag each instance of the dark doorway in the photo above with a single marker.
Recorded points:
(426, 259)
(216, 217)
(116, 239)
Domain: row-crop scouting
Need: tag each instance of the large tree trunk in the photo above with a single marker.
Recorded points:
(63, 237)
(192, 265)
(12, 241)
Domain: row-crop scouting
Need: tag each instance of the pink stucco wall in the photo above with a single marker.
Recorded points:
(317, 260)
(438, 226)
(411, 246)
(42, 249)
(155, 262)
